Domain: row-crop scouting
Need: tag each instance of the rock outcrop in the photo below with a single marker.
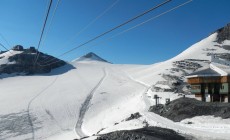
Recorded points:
(24, 62)
(223, 33)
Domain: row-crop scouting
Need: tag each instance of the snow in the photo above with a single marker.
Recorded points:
(93, 96)
(162, 86)
(207, 122)
(52, 107)
(152, 73)
(199, 49)
(215, 69)
(4, 56)
(202, 127)
(224, 70)
(69, 135)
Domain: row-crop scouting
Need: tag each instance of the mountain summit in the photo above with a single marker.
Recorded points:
(91, 57)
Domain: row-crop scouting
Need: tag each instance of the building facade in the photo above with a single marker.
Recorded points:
(211, 84)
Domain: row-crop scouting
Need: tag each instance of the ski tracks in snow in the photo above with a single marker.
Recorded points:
(85, 107)
(30, 102)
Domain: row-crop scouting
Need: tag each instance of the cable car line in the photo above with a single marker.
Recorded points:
(114, 28)
(43, 28)
(87, 26)
(51, 20)
(133, 27)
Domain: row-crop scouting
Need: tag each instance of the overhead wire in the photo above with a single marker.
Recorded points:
(4, 47)
(10, 45)
(6, 43)
(43, 28)
(133, 27)
(114, 28)
(93, 21)
(146, 21)
(88, 25)
(8, 51)
(5, 40)
(51, 21)
(2, 66)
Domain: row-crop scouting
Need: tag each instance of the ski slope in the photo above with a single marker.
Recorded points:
(94, 97)
(55, 104)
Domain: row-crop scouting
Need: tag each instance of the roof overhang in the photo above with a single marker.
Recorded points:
(193, 76)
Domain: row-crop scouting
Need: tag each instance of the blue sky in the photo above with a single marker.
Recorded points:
(158, 40)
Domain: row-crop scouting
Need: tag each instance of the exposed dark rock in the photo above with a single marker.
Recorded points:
(175, 83)
(225, 56)
(148, 133)
(116, 123)
(93, 56)
(133, 116)
(223, 33)
(24, 63)
(184, 108)
(100, 130)
(187, 64)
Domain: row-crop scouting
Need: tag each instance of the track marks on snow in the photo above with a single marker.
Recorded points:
(30, 119)
(85, 107)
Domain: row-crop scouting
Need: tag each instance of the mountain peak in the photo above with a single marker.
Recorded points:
(91, 57)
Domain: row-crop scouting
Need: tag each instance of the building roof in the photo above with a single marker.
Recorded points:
(204, 73)
(214, 70)
(223, 69)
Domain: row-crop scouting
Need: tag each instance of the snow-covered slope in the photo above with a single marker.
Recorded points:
(72, 102)
(94, 96)
(198, 55)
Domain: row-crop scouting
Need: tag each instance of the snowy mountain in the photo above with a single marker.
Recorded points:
(195, 58)
(90, 96)
(21, 61)
(91, 57)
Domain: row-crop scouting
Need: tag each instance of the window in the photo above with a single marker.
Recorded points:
(195, 86)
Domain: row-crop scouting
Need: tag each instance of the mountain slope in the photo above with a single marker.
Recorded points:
(55, 103)
(95, 97)
(196, 57)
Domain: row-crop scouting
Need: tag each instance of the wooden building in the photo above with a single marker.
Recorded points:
(211, 84)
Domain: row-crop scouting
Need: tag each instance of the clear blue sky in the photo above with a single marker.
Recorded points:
(158, 40)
